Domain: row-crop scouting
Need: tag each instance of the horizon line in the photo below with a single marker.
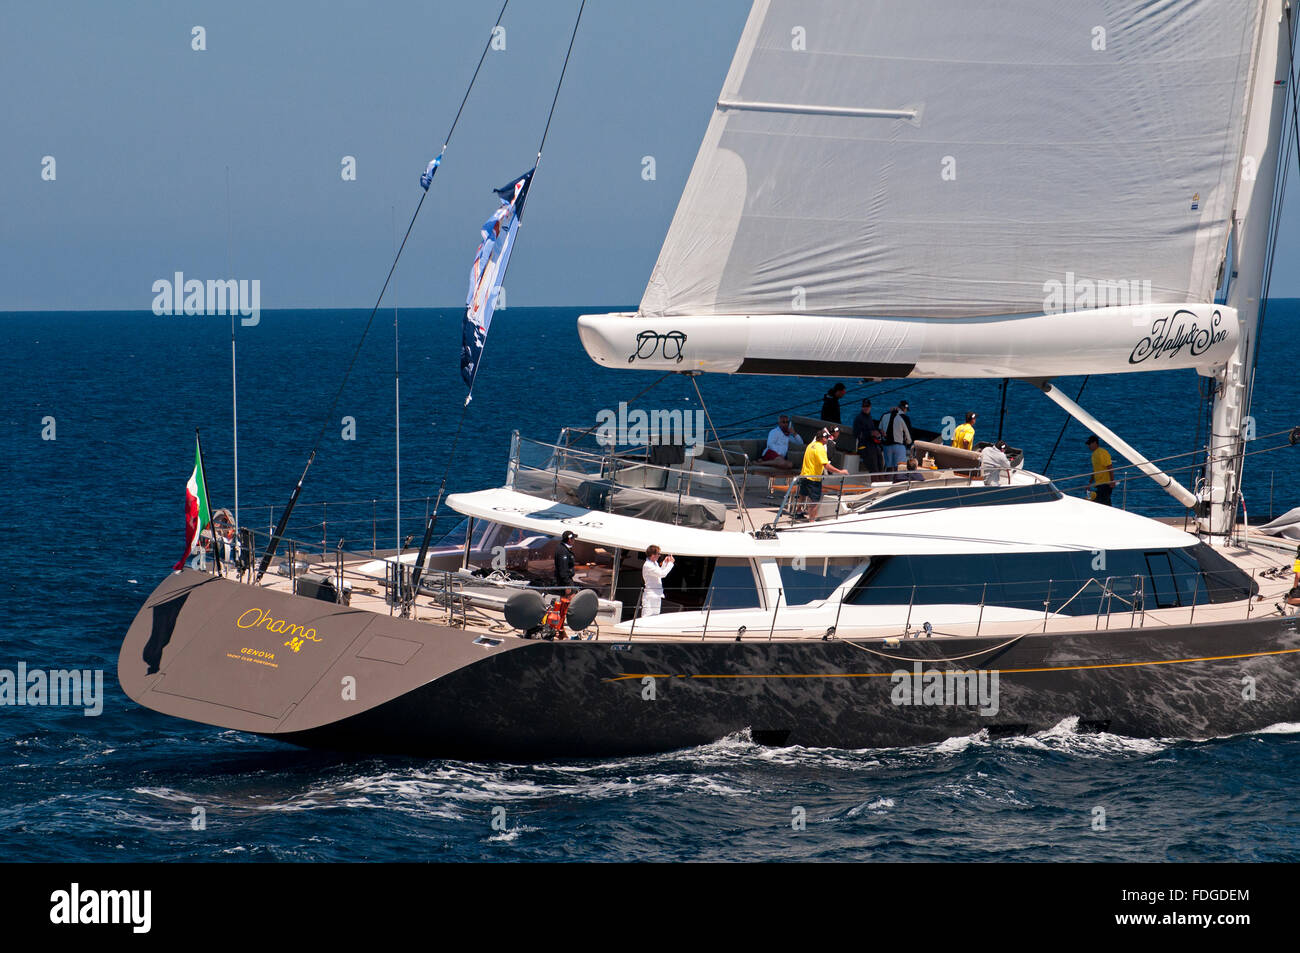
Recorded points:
(454, 307)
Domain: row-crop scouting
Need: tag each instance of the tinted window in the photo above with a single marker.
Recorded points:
(1073, 583)
(1223, 581)
(815, 581)
(943, 497)
(1164, 590)
(733, 586)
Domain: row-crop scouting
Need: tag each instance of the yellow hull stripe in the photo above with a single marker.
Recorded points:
(1002, 671)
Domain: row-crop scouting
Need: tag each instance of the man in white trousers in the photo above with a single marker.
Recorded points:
(652, 574)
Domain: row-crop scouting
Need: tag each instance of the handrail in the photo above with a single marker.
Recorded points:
(344, 568)
(562, 457)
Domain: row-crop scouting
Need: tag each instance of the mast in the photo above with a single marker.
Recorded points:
(1252, 218)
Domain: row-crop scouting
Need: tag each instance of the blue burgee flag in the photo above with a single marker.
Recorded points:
(426, 177)
(487, 273)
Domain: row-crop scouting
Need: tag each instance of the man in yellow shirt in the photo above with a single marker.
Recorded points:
(963, 438)
(1102, 479)
(1293, 597)
(815, 464)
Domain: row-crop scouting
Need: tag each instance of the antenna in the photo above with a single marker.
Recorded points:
(397, 398)
(234, 399)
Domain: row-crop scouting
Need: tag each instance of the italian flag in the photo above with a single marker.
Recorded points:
(197, 513)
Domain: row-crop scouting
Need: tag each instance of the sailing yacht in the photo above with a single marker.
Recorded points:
(884, 191)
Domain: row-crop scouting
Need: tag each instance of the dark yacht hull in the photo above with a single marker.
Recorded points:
(225, 655)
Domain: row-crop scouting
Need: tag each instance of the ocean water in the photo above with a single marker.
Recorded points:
(92, 520)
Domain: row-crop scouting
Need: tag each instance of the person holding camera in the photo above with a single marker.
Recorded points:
(653, 572)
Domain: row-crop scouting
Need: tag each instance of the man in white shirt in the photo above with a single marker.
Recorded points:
(652, 575)
(230, 550)
(995, 465)
(779, 441)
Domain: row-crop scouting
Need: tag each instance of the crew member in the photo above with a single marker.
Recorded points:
(897, 436)
(902, 409)
(963, 438)
(779, 440)
(815, 464)
(653, 572)
(231, 550)
(1102, 479)
(565, 562)
(913, 472)
(831, 403)
(867, 434)
(995, 465)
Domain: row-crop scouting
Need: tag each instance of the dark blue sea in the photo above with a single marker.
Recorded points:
(92, 520)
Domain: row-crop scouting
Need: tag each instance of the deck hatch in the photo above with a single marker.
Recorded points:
(381, 648)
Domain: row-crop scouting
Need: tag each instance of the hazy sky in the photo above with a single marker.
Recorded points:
(142, 128)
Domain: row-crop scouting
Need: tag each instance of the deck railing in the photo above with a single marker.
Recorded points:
(452, 598)
(613, 482)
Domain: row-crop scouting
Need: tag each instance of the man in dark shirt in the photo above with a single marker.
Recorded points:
(867, 434)
(831, 403)
(565, 562)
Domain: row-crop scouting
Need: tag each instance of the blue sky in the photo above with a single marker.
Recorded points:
(142, 129)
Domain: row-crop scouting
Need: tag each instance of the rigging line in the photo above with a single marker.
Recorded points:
(1135, 477)
(234, 392)
(1140, 478)
(483, 56)
(536, 164)
(735, 426)
(1279, 192)
(739, 491)
(1176, 456)
(957, 658)
(556, 98)
(1129, 469)
(1002, 414)
(418, 569)
(278, 534)
(1279, 186)
(867, 516)
(1047, 466)
(311, 458)
(644, 391)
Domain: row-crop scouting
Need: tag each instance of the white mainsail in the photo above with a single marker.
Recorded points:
(956, 189)
(954, 159)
